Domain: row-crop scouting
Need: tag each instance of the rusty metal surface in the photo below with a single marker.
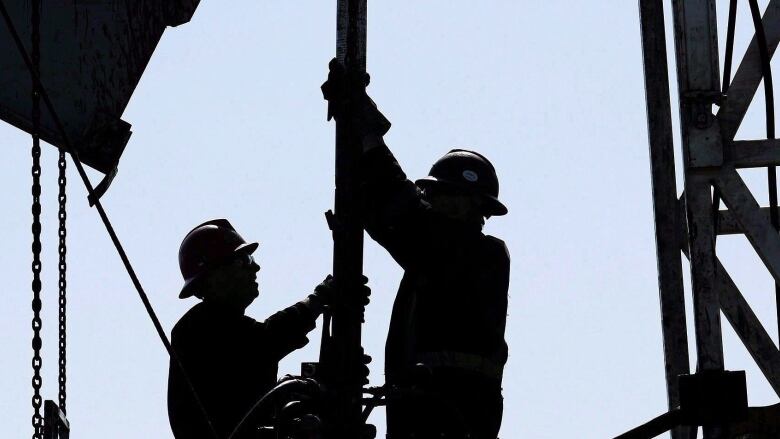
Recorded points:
(711, 159)
(351, 44)
(670, 281)
(709, 343)
(93, 54)
(755, 153)
(728, 225)
(699, 77)
(745, 323)
(745, 209)
(749, 329)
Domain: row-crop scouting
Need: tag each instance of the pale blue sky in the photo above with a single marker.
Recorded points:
(228, 121)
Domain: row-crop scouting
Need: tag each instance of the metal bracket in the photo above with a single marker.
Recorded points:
(55, 424)
(705, 96)
(333, 222)
(713, 397)
(102, 187)
(705, 148)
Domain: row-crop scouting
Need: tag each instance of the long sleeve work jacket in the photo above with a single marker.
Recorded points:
(232, 361)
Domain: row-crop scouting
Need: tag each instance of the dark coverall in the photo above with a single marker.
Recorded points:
(449, 313)
(232, 361)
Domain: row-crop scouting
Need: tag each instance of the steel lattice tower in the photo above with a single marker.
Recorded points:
(690, 224)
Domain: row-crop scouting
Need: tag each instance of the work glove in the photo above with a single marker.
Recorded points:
(345, 92)
(343, 88)
(327, 292)
(364, 368)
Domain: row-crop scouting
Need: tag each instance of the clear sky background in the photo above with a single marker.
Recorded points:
(229, 121)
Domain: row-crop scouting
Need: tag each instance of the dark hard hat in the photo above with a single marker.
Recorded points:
(468, 171)
(206, 247)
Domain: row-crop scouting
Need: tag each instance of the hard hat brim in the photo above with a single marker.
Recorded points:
(493, 207)
(188, 291)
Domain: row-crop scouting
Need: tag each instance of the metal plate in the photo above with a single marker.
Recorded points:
(93, 53)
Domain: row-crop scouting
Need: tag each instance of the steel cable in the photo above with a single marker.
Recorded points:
(67, 145)
(732, 23)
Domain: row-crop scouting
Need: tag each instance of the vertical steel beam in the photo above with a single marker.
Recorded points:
(659, 121)
(698, 76)
(699, 84)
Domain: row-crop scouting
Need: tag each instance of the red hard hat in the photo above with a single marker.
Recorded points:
(205, 247)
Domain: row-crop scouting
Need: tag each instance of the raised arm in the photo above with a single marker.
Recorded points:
(394, 211)
(393, 207)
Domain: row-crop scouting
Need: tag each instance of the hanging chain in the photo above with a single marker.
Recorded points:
(62, 249)
(37, 381)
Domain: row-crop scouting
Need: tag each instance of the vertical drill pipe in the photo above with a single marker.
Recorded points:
(342, 353)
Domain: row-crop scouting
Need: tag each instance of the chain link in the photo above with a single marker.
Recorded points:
(37, 381)
(62, 249)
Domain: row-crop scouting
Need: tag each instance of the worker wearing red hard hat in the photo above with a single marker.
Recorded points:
(230, 358)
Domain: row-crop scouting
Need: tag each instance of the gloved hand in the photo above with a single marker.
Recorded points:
(364, 372)
(345, 92)
(343, 88)
(327, 292)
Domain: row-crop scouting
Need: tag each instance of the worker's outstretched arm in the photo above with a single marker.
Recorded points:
(286, 330)
(393, 207)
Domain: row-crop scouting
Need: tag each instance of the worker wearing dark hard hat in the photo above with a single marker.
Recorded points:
(445, 348)
(230, 358)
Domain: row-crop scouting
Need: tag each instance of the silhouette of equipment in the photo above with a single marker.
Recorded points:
(92, 57)
(706, 398)
(287, 395)
(89, 124)
(341, 370)
(712, 109)
(55, 424)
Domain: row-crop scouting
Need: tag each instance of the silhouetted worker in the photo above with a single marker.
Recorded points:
(445, 344)
(230, 358)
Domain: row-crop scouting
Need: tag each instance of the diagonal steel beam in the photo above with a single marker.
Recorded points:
(749, 329)
(746, 211)
(749, 74)
(745, 323)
